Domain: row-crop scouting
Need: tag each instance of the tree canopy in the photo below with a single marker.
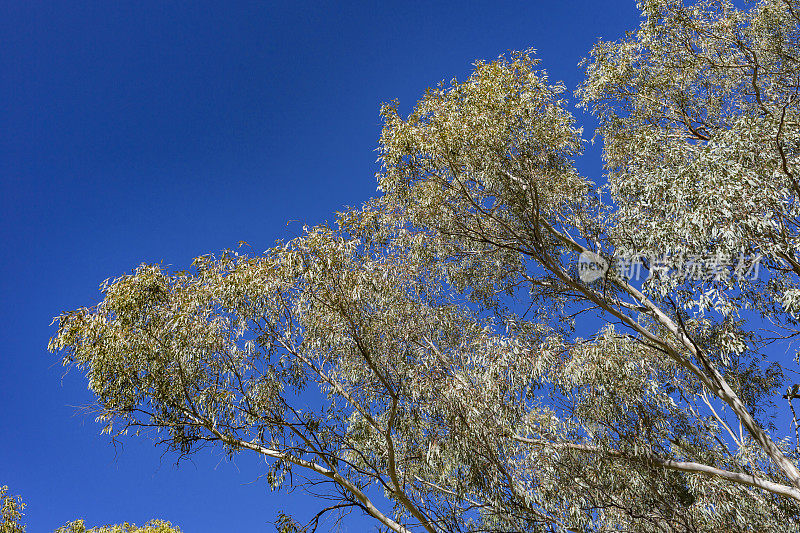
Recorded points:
(11, 507)
(441, 346)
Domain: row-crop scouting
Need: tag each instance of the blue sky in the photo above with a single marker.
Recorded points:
(158, 131)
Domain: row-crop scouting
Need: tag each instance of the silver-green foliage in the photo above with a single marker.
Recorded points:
(11, 507)
(153, 526)
(407, 314)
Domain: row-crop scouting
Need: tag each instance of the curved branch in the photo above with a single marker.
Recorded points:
(680, 466)
(331, 474)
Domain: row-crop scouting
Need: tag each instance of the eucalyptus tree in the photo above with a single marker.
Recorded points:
(11, 507)
(441, 360)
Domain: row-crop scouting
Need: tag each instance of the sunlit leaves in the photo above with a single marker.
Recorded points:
(154, 526)
(11, 507)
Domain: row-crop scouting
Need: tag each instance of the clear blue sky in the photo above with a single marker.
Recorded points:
(158, 131)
